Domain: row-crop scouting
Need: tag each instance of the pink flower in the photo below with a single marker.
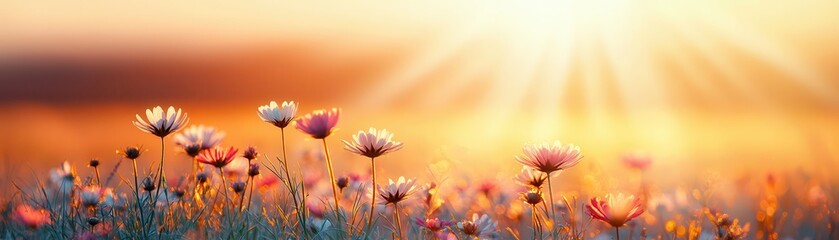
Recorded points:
(550, 158)
(615, 210)
(372, 143)
(238, 167)
(637, 160)
(217, 156)
(265, 181)
(531, 177)
(319, 124)
(30, 217)
(279, 115)
(394, 192)
(432, 224)
(162, 123)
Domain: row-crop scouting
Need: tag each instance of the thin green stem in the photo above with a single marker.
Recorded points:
(373, 198)
(98, 180)
(398, 222)
(250, 196)
(301, 214)
(332, 180)
(551, 204)
(617, 233)
(137, 195)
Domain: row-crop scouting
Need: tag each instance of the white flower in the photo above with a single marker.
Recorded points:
(395, 192)
(482, 227)
(63, 178)
(278, 115)
(205, 137)
(162, 123)
(372, 143)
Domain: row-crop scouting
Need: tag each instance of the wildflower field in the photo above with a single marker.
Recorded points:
(490, 119)
(240, 192)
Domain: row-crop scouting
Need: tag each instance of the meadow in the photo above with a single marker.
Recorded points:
(238, 192)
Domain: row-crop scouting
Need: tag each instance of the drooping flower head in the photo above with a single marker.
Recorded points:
(372, 143)
(162, 123)
(531, 177)
(279, 115)
(615, 210)
(481, 227)
(31, 218)
(217, 157)
(196, 138)
(394, 192)
(432, 224)
(638, 161)
(250, 153)
(549, 158)
(91, 196)
(319, 124)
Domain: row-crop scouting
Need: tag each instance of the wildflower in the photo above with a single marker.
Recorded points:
(64, 177)
(217, 156)
(532, 197)
(637, 160)
(93, 221)
(395, 192)
(432, 224)
(372, 143)
(253, 169)
(238, 186)
(487, 186)
(342, 182)
(237, 168)
(197, 138)
(179, 192)
(93, 163)
(319, 124)
(250, 153)
(31, 218)
(278, 115)
(266, 181)
(316, 208)
(201, 177)
(131, 152)
(162, 123)
(531, 177)
(148, 184)
(91, 196)
(481, 227)
(550, 158)
(615, 210)
(109, 199)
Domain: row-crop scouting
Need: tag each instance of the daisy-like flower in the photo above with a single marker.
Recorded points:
(162, 123)
(196, 138)
(64, 177)
(481, 227)
(615, 210)
(395, 192)
(30, 217)
(91, 196)
(131, 152)
(550, 158)
(532, 197)
(217, 157)
(637, 160)
(531, 177)
(432, 224)
(319, 124)
(279, 115)
(372, 143)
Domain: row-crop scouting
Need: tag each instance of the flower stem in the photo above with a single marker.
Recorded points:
(250, 196)
(300, 208)
(617, 233)
(551, 204)
(137, 195)
(332, 181)
(398, 222)
(373, 198)
(161, 181)
(98, 180)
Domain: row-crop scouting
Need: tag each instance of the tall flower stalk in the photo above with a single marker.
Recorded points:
(372, 144)
(320, 124)
(393, 193)
(161, 124)
(550, 158)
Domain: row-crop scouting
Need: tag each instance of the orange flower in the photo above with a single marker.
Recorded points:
(30, 217)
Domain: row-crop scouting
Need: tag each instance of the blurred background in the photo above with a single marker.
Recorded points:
(734, 87)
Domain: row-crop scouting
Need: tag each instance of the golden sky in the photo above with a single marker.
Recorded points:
(690, 82)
